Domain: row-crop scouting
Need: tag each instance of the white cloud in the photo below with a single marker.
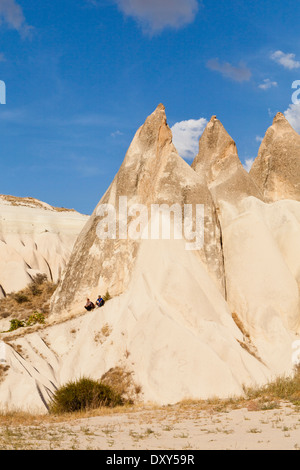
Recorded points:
(286, 60)
(258, 138)
(267, 84)
(12, 15)
(238, 74)
(248, 164)
(156, 15)
(292, 114)
(186, 135)
(116, 134)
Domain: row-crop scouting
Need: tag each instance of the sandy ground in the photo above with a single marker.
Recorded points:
(170, 428)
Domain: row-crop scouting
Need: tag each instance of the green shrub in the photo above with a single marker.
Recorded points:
(82, 395)
(36, 318)
(15, 324)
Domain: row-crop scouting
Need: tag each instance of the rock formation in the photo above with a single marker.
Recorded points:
(152, 173)
(186, 323)
(259, 240)
(219, 162)
(34, 238)
(276, 169)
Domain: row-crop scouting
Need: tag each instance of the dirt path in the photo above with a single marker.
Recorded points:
(173, 428)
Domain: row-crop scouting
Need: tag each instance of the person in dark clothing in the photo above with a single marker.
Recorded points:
(89, 305)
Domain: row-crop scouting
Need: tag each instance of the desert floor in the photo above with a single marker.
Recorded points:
(186, 427)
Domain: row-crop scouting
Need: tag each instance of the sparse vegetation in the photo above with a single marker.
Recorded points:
(83, 395)
(268, 397)
(39, 279)
(149, 425)
(282, 388)
(122, 381)
(37, 317)
(15, 324)
(20, 298)
(31, 202)
(30, 305)
(107, 296)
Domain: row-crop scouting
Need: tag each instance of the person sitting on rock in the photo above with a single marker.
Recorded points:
(100, 302)
(89, 305)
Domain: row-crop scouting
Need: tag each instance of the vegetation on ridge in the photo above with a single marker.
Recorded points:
(30, 305)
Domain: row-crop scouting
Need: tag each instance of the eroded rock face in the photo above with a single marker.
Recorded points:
(151, 173)
(186, 324)
(276, 169)
(34, 238)
(262, 281)
(218, 160)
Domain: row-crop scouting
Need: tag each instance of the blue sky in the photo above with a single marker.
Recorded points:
(82, 75)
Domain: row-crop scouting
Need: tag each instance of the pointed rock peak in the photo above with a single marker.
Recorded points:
(215, 132)
(218, 162)
(157, 117)
(155, 131)
(158, 113)
(214, 144)
(276, 168)
(151, 173)
(280, 122)
(160, 107)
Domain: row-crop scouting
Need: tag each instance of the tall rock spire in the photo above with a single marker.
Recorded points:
(276, 170)
(151, 173)
(218, 162)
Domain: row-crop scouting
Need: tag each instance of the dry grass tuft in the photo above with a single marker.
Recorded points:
(269, 397)
(282, 388)
(22, 418)
(121, 380)
(31, 202)
(34, 298)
